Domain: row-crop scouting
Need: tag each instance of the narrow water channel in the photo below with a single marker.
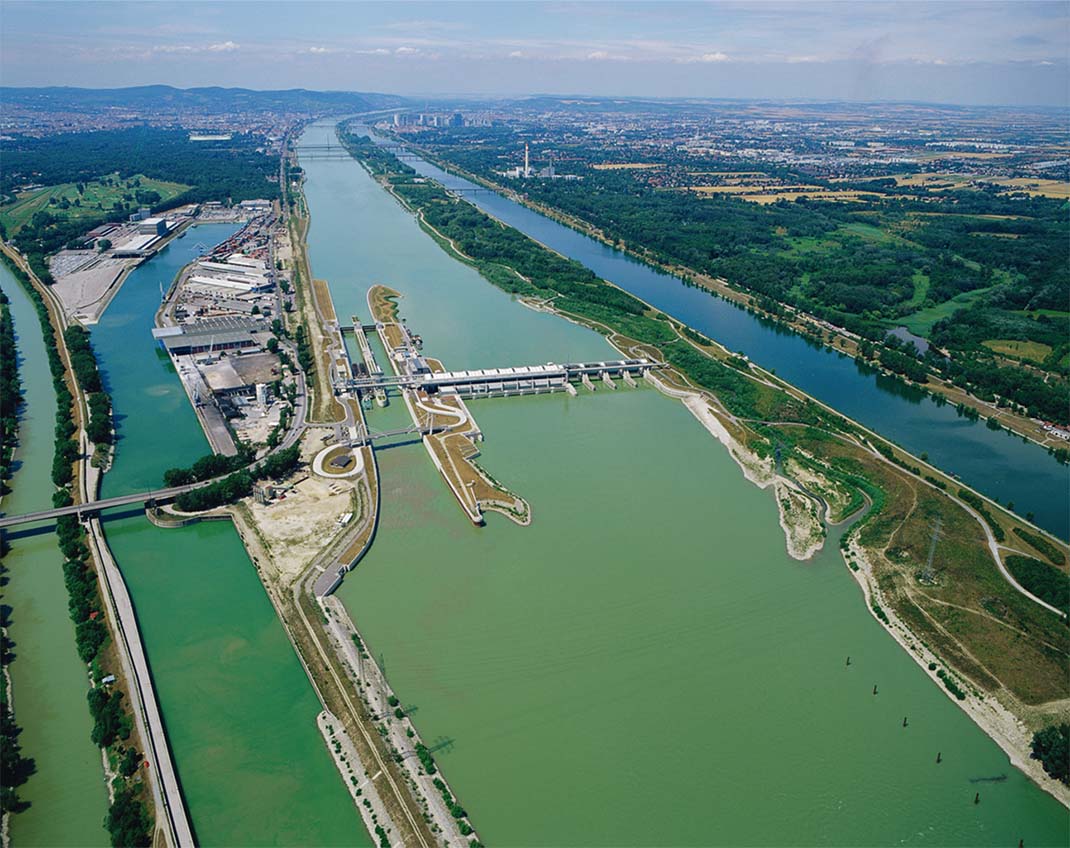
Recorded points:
(67, 795)
(999, 464)
(239, 711)
(643, 664)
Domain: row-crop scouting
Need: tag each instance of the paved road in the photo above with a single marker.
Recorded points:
(146, 709)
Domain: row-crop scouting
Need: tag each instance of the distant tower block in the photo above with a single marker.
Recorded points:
(527, 161)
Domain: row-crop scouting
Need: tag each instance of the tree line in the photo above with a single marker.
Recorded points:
(111, 725)
(10, 392)
(239, 484)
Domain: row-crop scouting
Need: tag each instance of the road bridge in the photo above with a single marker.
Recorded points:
(93, 508)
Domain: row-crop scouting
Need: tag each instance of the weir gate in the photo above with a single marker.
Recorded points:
(504, 382)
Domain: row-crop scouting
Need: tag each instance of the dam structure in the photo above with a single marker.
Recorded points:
(413, 372)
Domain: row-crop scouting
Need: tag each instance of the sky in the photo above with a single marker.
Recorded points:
(954, 52)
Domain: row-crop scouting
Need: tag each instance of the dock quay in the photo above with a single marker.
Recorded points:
(371, 367)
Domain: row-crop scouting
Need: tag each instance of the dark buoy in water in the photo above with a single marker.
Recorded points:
(904, 721)
(939, 759)
(977, 798)
(848, 661)
(1021, 843)
(874, 688)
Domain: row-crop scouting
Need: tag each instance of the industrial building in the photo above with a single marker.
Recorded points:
(213, 334)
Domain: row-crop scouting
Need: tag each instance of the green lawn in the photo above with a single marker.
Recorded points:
(921, 322)
(921, 290)
(97, 196)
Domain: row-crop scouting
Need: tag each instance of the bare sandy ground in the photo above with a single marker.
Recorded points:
(86, 292)
(802, 524)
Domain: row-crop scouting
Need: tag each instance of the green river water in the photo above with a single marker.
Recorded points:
(239, 711)
(644, 664)
(67, 795)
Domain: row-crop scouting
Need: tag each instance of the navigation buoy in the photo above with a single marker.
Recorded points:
(939, 759)
(848, 661)
(977, 798)
(874, 688)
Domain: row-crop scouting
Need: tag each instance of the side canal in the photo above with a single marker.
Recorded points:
(239, 711)
(644, 664)
(67, 795)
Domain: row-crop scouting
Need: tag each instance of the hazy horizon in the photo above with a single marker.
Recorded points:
(964, 53)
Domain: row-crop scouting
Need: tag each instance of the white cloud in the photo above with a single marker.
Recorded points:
(320, 51)
(598, 55)
(223, 47)
(715, 56)
(406, 51)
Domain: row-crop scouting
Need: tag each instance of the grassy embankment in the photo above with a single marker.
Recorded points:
(990, 641)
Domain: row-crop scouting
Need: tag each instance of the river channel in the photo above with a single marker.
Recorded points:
(644, 664)
(999, 464)
(239, 711)
(67, 794)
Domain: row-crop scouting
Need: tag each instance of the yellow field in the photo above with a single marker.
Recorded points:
(1044, 188)
(930, 180)
(1033, 351)
(626, 166)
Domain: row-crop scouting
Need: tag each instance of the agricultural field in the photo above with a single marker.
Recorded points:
(1033, 351)
(756, 187)
(86, 200)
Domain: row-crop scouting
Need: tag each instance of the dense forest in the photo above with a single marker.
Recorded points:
(229, 171)
(986, 267)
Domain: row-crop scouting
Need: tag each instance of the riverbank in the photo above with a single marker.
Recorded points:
(166, 809)
(987, 648)
(808, 326)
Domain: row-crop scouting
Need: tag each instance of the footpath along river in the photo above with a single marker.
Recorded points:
(999, 464)
(67, 795)
(239, 711)
(644, 664)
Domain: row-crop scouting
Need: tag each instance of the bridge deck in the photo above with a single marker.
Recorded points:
(470, 379)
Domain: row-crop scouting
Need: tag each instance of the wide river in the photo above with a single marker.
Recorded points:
(1003, 466)
(644, 664)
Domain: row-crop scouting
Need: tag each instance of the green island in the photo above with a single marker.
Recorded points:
(995, 650)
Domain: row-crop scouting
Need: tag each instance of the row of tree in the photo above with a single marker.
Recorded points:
(110, 724)
(84, 364)
(238, 485)
(10, 392)
(15, 767)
